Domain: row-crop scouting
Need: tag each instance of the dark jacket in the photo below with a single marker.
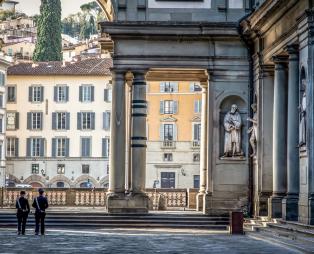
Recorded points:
(24, 205)
(42, 202)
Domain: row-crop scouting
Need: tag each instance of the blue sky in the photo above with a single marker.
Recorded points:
(31, 7)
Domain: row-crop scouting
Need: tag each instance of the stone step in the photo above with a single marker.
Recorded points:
(290, 229)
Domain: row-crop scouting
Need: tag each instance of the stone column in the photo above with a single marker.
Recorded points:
(118, 133)
(290, 202)
(210, 130)
(203, 152)
(138, 135)
(279, 138)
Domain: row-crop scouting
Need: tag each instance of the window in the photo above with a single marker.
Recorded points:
(196, 132)
(35, 168)
(167, 180)
(61, 147)
(11, 94)
(195, 87)
(86, 121)
(2, 78)
(61, 121)
(36, 93)
(168, 107)
(236, 4)
(168, 132)
(12, 147)
(105, 147)
(196, 181)
(61, 169)
(1, 100)
(12, 121)
(85, 169)
(61, 93)
(106, 120)
(168, 87)
(107, 95)
(197, 106)
(196, 157)
(35, 146)
(60, 184)
(1, 123)
(86, 147)
(167, 157)
(34, 120)
(86, 93)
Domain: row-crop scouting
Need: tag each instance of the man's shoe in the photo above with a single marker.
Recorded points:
(36, 233)
(18, 233)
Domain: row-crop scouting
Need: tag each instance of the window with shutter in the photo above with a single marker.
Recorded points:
(86, 147)
(12, 147)
(236, 4)
(11, 96)
(106, 123)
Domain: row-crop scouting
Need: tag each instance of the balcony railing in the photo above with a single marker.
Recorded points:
(196, 144)
(168, 144)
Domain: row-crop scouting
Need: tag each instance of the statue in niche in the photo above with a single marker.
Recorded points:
(302, 110)
(233, 125)
(253, 130)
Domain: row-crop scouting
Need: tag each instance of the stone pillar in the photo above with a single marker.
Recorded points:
(138, 136)
(207, 207)
(138, 200)
(203, 153)
(279, 138)
(118, 133)
(290, 202)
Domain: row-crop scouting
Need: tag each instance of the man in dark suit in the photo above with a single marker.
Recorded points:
(40, 204)
(22, 212)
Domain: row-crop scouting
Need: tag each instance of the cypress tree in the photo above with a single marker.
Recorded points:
(49, 41)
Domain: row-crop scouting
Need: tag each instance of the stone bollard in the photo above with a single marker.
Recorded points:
(236, 223)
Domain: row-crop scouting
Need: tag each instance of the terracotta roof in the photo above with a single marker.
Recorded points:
(86, 67)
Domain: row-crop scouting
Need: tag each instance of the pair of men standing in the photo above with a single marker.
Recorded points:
(40, 204)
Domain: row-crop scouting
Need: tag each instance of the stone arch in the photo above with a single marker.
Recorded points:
(84, 178)
(35, 179)
(223, 105)
(104, 180)
(61, 178)
(14, 179)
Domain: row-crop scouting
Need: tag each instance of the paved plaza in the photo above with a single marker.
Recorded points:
(133, 241)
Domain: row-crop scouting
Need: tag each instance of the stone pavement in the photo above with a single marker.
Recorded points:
(135, 241)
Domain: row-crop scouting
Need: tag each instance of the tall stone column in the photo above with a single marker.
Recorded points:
(138, 136)
(207, 207)
(118, 133)
(203, 152)
(279, 138)
(290, 202)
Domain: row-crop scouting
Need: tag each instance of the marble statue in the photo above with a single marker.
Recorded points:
(302, 109)
(253, 130)
(233, 125)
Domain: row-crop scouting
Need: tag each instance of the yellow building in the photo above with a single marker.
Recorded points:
(173, 123)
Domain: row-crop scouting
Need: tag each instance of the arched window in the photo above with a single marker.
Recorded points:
(60, 184)
(86, 185)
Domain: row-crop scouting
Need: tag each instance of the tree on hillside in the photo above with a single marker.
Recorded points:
(49, 42)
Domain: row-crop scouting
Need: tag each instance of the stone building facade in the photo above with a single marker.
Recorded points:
(58, 123)
(254, 62)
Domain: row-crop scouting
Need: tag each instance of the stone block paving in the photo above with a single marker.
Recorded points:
(137, 242)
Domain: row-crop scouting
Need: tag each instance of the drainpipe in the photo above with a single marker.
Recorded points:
(250, 49)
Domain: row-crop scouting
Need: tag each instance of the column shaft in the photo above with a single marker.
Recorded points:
(138, 137)
(118, 133)
(203, 155)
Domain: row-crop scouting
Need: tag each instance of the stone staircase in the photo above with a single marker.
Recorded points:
(73, 220)
(291, 234)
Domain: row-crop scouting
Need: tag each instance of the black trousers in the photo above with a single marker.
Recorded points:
(40, 219)
(21, 222)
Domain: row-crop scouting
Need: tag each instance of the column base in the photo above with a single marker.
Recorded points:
(311, 210)
(290, 208)
(261, 204)
(200, 201)
(123, 204)
(275, 207)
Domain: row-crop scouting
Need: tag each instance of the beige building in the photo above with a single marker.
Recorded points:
(174, 128)
(58, 122)
(22, 50)
(4, 63)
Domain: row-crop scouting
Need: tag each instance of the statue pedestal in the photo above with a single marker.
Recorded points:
(290, 208)
(200, 201)
(236, 158)
(137, 203)
(275, 207)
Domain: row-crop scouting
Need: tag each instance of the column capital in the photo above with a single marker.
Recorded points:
(266, 70)
(293, 51)
(280, 59)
